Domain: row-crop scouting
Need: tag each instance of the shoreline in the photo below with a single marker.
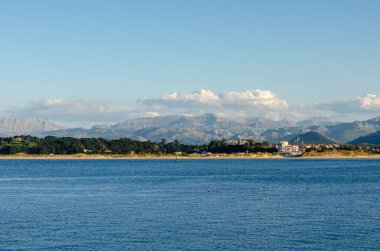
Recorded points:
(168, 157)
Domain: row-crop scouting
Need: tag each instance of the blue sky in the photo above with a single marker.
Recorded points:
(104, 61)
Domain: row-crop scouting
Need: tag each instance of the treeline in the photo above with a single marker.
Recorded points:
(69, 145)
(240, 146)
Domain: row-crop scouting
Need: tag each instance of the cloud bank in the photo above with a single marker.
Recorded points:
(255, 102)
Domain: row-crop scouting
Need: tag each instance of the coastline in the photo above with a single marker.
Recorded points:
(141, 156)
(335, 155)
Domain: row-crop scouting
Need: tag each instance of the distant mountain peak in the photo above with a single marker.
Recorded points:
(311, 138)
(11, 126)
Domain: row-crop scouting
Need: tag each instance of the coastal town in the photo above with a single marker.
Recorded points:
(30, 146)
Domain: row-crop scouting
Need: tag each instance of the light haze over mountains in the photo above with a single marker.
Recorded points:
(198, 129)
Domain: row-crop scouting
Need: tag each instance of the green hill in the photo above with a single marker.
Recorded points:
(370, 139)
(311, 138)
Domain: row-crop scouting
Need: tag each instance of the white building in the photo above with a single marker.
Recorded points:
(284, 147)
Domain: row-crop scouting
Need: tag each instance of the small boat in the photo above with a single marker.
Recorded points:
(292, 155)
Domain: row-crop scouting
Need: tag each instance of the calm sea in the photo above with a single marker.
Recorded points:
(287, 204)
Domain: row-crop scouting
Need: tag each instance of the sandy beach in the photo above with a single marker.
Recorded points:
(324, 155)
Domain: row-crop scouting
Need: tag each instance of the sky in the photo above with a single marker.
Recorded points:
(94, 62)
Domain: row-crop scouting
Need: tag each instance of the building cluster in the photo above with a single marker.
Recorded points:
(285, 148)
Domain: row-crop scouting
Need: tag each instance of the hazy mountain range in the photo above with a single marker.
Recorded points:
(11, 126)
(198, 129)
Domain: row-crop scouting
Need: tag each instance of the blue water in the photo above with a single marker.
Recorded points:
(189, 205)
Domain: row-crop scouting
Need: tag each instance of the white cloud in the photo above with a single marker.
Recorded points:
(255, 98)
(370, 102)
(203, 97)
(175, 99)
(261, 100)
